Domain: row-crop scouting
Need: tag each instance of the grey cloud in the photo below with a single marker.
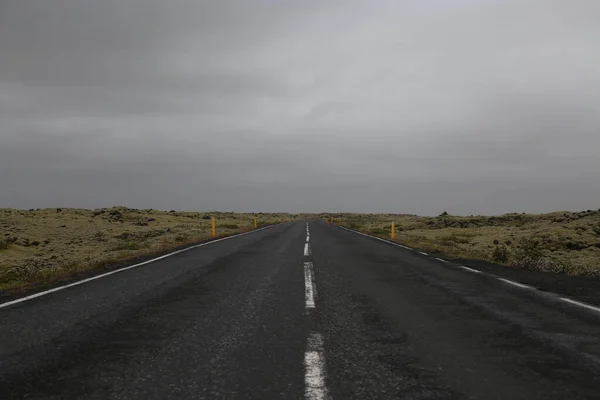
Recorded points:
(417, 107)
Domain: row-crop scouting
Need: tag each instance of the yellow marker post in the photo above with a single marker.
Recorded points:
(255, 223)
(393, 231)
(213, 226)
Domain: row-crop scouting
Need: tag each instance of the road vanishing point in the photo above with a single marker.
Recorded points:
(299, 310)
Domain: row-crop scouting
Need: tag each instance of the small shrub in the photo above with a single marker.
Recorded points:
(123, 236)
(576, 245)
(230, 226)
(181, 238)
(115, 216)
(126, 246)
(99, 236)
(452, 240)
(206, 217)
(3, 244)
(30, 268)
(500, 254)
(554, 266)
(528, 248)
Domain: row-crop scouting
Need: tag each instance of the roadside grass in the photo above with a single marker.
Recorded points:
(38, 247)
(562, 242)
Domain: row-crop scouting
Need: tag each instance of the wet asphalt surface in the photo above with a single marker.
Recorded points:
(229, 321)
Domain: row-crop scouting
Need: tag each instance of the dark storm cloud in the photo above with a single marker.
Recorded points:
(419, 107)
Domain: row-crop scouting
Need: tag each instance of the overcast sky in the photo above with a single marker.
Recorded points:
(408, 106)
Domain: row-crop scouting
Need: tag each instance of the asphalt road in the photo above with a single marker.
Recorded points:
(269, 315)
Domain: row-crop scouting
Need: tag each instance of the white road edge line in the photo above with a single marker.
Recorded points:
(314, 369)
(376, 238)
(442, 260)
(307, 249)
(57, 289)
(517, 284)
(404, 247)
(470, 269)
(475, 271)
(309, 285)
(580, 304)
(422, 252)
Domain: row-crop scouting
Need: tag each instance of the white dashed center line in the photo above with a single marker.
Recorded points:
(314, 369)
(309, 285)
(306, 249)
(314, 356)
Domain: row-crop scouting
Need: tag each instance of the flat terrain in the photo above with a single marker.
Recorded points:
(39, 246)
(561, 242)
(299, 311)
